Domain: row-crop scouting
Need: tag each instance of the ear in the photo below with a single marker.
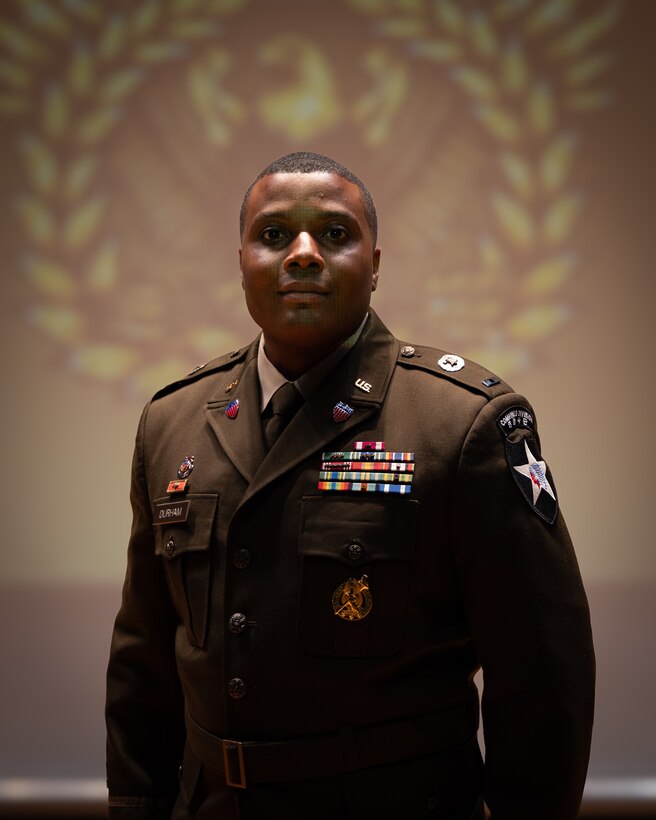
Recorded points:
(241, 277)
(376, 264)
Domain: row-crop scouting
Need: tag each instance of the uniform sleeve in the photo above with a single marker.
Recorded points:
(529, 621)
(144, 712)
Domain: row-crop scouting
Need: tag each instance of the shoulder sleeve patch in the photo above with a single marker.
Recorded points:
(528, 469)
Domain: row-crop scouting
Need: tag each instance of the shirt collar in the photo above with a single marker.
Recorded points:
(271, 378)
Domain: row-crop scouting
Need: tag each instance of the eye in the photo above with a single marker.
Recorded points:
(271, 235)
(336, 233)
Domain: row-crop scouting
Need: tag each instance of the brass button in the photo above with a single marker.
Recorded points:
(169, 549)
(354, 551)
(236, 688)
(237, 623)
(241, 558)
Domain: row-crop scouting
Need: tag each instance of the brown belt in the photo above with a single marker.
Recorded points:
(326, 755)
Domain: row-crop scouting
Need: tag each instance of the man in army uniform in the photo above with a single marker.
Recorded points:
(333, 530)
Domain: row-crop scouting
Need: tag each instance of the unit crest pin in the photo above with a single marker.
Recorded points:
(186, 466)
(450, 362)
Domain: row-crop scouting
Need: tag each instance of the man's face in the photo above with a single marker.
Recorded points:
(307, 260)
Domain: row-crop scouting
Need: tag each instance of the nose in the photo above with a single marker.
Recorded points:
(304, 254)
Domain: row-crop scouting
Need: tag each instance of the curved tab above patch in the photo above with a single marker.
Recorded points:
(516, 418)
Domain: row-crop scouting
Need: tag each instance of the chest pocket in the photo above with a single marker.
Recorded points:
(184, 546)
(348, 538)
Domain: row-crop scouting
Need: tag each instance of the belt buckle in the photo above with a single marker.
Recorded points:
(229, 747)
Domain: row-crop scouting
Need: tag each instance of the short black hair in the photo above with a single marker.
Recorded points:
(307, 162)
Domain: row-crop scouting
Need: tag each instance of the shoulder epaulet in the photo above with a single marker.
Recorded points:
(454, 368)
(202, 370)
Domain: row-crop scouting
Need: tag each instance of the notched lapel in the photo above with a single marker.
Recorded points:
(240, 437)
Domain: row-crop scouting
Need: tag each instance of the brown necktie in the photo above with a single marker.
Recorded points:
(284, 403)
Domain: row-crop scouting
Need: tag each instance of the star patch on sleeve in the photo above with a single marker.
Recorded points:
(527, 469)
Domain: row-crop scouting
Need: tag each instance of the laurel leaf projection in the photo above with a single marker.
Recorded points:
(500, 123)
(514, 219)
(541, 109)
(120, 84)
(476, 83)
(449, 16)
(37, 219)
(559, 219)
(48, 277)
(79, 175)
(112, 38)
(491, 254)
(483, 37)
(548, 15)
(548, 275)
(441, 51)
(46, 16)
(577, 39)
(40, 162)
(63, 324)
(81, 70)
(102, 360)
(103, 272)
(538, 321)
(82, 222)
(56, 110)
(518, 173)
(587, 69)
(21, 44)
(145, 17)
(160, 52)
(556, 161)
(514, 68)
(96, 125)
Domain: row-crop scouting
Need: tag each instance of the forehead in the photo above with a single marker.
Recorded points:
(296, 194)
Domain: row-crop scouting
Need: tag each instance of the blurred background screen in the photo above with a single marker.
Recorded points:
(509, 147)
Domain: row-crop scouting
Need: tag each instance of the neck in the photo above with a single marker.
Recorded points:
(294, 363)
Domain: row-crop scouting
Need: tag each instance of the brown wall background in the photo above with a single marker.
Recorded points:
(508, 146)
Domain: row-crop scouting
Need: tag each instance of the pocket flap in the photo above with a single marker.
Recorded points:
(189, 528)
(358, 530)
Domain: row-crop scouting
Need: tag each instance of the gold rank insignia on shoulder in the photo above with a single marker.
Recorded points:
(352, 599)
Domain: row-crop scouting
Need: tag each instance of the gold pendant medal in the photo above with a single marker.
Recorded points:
(352, 599)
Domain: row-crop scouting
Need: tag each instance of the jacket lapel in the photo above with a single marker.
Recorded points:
(240, 437)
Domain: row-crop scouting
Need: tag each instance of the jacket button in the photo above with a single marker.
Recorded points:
(236, 688)
(169, 549)
(241, 558)
(237, 623)
(354, 551)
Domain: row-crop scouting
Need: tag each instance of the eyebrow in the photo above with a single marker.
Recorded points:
(283, 215)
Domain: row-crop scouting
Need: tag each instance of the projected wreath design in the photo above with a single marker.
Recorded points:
(72, 71)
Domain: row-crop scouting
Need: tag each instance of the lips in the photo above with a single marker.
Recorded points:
(304, 288)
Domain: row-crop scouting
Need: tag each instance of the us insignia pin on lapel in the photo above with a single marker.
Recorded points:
(352, 599)
(232, 409)
(186, 467)
(341, 411)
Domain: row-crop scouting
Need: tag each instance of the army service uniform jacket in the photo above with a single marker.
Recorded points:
(234, 688)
